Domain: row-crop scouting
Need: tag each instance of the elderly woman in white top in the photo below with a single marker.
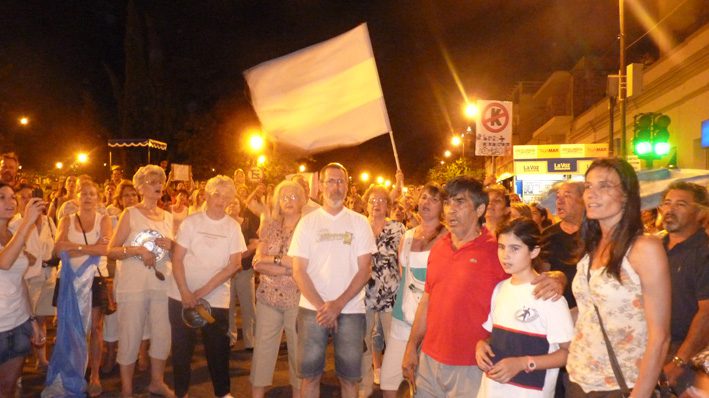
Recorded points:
(141, 282)
(17, 327)
(207, 253)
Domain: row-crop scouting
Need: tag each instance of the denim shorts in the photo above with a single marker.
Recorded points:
(16, 342)
(312, 345)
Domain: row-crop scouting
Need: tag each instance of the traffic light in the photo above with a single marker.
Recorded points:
(643, 135)
(652, 137)
(661, 136)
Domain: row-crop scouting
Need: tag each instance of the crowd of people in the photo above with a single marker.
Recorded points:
(454, 290)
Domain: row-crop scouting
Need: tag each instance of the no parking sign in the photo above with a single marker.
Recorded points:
(493, 133)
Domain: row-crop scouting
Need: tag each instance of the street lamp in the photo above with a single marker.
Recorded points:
(301, 168)
(256, 142)
(447, 153)
(456, 141)
(82, 157)
(59, 165)
(387, 183)
(471, 110)
(364, 176)
(261, 160)
(24, 120)
(380, 180)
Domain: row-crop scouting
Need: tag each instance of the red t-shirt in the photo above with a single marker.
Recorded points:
(460, 284)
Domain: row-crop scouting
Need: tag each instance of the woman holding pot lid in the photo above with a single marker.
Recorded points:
(141, 280)
(207, 253)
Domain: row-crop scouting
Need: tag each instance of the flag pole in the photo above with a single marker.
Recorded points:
(393, 146)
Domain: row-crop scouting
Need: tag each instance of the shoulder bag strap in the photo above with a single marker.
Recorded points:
(611, 354)
(83, 231)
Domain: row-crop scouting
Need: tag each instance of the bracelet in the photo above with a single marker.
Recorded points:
(125, 250)
(277, 259)
(679, 362)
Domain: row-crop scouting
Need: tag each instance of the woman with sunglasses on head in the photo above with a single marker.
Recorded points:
(141, 281)
(622, 288)
(413, 260)
(18, 328)
(277, 295)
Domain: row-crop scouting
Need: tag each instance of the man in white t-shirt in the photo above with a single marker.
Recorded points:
(207, 253)
(331, 250)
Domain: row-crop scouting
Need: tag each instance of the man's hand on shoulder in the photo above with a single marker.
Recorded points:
(549, 285)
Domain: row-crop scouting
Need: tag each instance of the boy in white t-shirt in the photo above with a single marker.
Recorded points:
(530, 337)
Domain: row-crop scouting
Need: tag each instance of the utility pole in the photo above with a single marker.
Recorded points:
(623, 80)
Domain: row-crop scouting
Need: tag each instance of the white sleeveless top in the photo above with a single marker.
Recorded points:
(621, 307)
(132, 276)
(92, 236)
(13, 300)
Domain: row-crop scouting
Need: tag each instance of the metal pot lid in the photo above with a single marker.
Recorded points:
(199, 315)
(147, 239)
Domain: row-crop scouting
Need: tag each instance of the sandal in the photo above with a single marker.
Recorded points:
(94, 390)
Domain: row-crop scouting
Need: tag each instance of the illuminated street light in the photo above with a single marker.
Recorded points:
(455, 141)
(256, 142)
(447, 153)
(364, 177)
(443, 162)
(380, 180)
(261, 160)
(82, 157)
(59, 165)
(471, 110)
(387, 183)
(301, 168)
(24, 120)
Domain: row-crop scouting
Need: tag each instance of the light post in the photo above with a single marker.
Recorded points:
(23, 121)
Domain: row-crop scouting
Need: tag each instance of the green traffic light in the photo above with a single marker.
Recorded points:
(643, 148)
(661, 148)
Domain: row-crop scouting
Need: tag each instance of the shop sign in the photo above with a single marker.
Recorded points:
(531, 167)
(561, 165)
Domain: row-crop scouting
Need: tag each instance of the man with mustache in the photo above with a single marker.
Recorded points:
(687, 247)
(331, 249)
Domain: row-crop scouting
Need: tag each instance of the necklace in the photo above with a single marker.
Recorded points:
(426, 237)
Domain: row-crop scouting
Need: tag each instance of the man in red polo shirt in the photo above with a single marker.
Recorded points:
(463, 270)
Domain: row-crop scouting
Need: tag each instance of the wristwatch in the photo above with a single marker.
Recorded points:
(679, 362)
(531, 365)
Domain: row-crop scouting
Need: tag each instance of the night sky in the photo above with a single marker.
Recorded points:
(57, 60)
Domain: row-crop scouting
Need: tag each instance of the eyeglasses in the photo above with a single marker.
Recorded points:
(335, 181)
(603, 187)
(289, 198)
(377, 200)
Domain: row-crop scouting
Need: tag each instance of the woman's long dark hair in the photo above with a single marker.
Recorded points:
(630, 225)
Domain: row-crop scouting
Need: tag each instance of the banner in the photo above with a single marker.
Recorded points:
(493, 132)
(322, 97)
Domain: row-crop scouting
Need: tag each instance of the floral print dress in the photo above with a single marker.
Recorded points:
(278, 291)
(384, 283)
(621, 307)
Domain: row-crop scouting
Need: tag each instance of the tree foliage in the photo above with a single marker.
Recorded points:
(442, 173)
